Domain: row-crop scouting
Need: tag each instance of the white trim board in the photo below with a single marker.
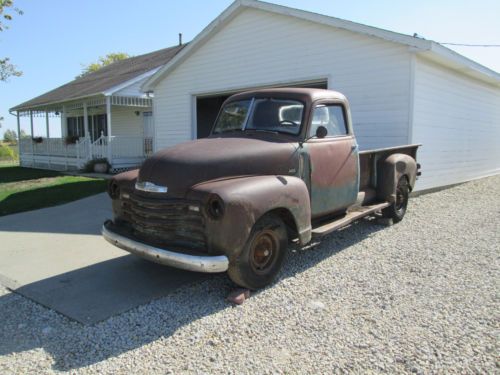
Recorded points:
(123, 85)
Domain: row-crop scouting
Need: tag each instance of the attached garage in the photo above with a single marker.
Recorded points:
(401, 89)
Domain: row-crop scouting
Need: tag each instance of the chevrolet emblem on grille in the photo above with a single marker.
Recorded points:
(150, 187)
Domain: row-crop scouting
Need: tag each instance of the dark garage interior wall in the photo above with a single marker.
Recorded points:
(207, 107)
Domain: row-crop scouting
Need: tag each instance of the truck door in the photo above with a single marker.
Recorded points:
(334, 161)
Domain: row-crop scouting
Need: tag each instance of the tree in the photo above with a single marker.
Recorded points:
(110, 58)
(9, 136)
(7, 9)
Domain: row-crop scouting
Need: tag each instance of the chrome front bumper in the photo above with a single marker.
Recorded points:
(197, 263)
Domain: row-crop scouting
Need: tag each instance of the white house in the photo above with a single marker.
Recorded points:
(103, 115)
(402, 89)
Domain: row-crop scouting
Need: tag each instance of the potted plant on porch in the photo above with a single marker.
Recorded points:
(100, 165)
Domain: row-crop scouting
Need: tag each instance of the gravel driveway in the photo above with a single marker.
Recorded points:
(418, 297)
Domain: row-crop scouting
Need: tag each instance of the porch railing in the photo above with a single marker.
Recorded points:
(100, 148)
(118, 147)
(122, 147)
(55, 150)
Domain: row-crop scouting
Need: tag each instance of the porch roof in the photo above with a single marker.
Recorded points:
(103, 80)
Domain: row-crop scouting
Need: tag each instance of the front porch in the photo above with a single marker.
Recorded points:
(116, 128)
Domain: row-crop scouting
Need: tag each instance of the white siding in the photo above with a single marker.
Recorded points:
(457, 119)
(124, 122)
(259, 48)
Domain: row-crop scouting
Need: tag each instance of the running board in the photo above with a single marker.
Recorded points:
(354, 214)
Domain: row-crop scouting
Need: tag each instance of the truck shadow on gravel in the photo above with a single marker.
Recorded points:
(29, 326)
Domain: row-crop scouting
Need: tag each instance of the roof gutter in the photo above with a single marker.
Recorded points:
(20, 108)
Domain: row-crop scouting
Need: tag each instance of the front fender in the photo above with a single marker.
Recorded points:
(246, 199)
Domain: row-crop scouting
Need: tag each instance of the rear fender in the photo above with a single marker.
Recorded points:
(245, 200)
(390, 170)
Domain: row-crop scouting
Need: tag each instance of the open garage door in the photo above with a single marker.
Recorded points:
(208, 106)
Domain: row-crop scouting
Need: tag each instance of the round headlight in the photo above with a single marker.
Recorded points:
(215, 207)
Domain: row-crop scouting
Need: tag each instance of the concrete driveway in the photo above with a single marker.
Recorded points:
(57, 257)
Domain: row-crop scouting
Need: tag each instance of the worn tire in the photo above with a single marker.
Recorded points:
(397, 210)
(261, 258)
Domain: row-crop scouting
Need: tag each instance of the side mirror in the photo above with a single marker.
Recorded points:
(321, 132)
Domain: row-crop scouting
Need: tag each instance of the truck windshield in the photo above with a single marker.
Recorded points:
(263, 114)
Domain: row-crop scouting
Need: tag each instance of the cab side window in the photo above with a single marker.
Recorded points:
(331, 116)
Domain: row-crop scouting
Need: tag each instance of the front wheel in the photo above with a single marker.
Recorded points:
(397, 210)
(262, 256)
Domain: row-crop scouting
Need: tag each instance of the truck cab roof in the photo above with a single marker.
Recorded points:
(305, 95)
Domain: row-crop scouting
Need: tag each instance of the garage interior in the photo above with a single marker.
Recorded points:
(208, 106)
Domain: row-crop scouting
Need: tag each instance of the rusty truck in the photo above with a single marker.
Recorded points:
(280, 165)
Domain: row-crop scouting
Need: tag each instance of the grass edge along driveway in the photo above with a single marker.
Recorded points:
(26, 189)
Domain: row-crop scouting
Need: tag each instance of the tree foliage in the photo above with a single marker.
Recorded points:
(8, 70)
(103, 61)
(7, 9)
(10, 136)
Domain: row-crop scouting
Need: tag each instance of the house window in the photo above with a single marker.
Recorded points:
(97, 126)
(75, 127)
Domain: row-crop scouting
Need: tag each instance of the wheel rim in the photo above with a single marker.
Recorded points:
(264, 251)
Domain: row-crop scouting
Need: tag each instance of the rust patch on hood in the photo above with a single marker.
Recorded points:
(187, 164)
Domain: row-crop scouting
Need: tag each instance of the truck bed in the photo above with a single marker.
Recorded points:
(368, 160)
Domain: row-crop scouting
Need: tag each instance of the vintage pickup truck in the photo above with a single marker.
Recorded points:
(280, 165)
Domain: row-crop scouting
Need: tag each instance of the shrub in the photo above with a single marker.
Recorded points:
(7, 153)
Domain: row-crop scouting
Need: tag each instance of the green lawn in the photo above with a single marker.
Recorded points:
(26, 189)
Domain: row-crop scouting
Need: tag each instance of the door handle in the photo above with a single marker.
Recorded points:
(354, 147)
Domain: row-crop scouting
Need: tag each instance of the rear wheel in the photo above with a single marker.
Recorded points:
(262, 256)
(397, 210)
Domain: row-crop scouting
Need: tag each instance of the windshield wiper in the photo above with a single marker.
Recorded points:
(264, 131)
(227, 131)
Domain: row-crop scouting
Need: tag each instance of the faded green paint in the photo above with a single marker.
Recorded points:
(326, 198)
(334, 196)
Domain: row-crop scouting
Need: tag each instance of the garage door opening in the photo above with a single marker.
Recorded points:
(208, 106)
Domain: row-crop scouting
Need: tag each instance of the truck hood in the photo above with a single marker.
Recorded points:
(187, 164)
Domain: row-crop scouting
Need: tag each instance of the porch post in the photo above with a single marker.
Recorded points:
(18, 136)
(63, 123)
(32, 145)
(47, 145)
(86, 126)
(47, 123)
(108, 120)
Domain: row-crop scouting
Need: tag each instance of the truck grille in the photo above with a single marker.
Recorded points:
(165, 221)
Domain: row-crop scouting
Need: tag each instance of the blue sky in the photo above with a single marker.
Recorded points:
(53, 38)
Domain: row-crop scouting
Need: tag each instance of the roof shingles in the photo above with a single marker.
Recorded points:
(103, 79)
